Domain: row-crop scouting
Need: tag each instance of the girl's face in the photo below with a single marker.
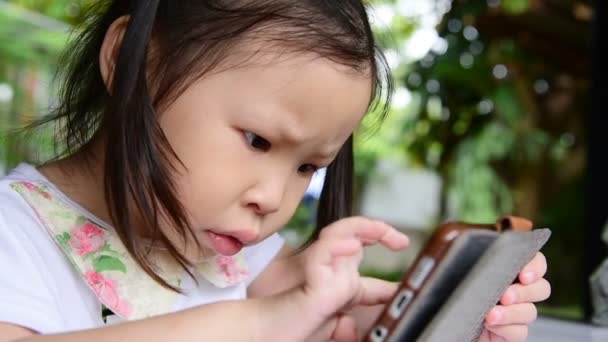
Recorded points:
(250, 138)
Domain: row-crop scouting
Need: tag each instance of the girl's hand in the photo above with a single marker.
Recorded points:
(509, 321)
(332, 282)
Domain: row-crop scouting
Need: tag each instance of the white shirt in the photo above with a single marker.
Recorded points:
(41, 290)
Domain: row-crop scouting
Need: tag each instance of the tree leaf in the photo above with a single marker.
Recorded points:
(63, 240)
(108, 263)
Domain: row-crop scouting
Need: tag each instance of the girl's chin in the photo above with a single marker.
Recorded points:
(197, 255)
(203, 255)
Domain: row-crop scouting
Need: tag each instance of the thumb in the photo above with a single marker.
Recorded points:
(346, 329)
(339, 328)
(375, 291)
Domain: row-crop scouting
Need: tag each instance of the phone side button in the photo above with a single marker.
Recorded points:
(401, 301)
(378, 334)
(424, 268)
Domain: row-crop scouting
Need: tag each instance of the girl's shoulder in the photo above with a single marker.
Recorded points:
(38, 288)
(17, 219)
(24, 239)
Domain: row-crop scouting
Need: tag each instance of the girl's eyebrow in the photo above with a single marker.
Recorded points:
(326, 155)
(288, 133)
(286, 128)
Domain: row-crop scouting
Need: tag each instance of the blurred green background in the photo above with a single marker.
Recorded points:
(489, 111)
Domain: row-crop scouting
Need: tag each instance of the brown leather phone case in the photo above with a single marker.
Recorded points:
(445, 262)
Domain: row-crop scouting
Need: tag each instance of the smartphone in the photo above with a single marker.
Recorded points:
(443, 263)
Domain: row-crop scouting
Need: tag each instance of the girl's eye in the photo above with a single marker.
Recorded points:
(257, 142)
(308, 168)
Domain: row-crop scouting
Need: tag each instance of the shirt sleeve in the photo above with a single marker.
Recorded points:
(25, 298)
(259, 256)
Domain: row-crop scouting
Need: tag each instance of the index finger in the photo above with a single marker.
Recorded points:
(368, 232)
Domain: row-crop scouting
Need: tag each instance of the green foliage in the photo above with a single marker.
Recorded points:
(481, 194)
(466, 118)
(28, 36)
(33, 35)
(26, 43)
(515, 6)
(501, 141)
(303, 221)
(67, 11)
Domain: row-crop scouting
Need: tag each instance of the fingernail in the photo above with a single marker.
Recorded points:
(529, 277)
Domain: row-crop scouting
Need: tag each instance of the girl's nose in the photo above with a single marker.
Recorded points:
(266, 196)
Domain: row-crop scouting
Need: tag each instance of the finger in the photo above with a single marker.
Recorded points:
(344, 247)
(325, 251)
(518, 293)
(512, 314)
(511, 333)
(376, 291)
(368, 232)
(346, 329)
(325, 331)
(534, 270)
(487, 336)
(329, 259)
(366, 316)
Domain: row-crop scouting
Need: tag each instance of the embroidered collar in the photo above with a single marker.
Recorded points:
(105, 265)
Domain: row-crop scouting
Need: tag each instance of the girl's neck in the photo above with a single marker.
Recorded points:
(81, 179)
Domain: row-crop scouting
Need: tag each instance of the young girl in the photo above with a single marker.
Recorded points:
(192, 129)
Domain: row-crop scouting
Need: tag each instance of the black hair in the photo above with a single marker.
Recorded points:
(190, 38)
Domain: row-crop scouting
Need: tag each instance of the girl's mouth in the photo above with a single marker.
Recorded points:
(224, 244)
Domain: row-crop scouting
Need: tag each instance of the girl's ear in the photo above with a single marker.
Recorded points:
(109, 50)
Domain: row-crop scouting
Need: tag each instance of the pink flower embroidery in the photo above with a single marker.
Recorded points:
(29, 186)
(234, 274)
(34, 187)
(107, 291)
(86, 238)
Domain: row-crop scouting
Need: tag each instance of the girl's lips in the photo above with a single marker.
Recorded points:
(224, 244)
(246, 237)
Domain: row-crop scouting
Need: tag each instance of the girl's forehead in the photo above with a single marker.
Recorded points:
(305, 84)
(305, 97)
(259, 70)
(301, 77)
(264, 57)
